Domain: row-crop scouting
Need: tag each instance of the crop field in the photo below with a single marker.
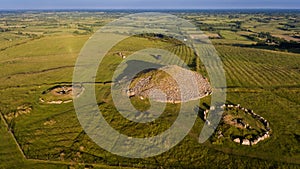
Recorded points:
(38, 51)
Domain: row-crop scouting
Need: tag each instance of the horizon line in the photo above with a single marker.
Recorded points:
(2, 9)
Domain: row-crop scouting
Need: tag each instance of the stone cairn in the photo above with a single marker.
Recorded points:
(145, 87)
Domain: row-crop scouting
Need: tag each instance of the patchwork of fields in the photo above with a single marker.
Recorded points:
(50, 136)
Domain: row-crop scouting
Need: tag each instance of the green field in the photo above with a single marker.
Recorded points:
(50, 136)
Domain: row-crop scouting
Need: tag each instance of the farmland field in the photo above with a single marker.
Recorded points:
(38, 51)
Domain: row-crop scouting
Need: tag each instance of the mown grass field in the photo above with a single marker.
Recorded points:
(50, 136)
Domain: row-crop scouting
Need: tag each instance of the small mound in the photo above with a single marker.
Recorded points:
(146, 84)
(61, 94)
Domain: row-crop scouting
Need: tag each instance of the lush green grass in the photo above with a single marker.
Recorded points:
(247, 67)
(10, 154)
(48, 142)
(262, 80)
(229, 35)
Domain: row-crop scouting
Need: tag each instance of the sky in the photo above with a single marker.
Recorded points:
(147, 4)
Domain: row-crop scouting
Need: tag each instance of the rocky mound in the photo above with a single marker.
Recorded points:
(146, 84)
